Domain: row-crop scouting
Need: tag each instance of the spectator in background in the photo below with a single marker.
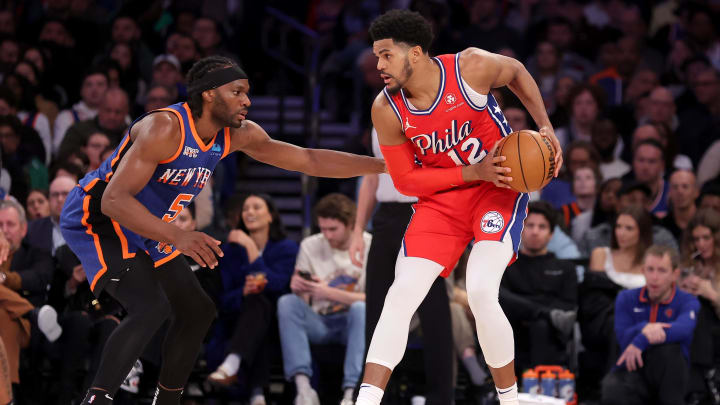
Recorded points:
(123, 61)
(699, 122)
(585, 186)
(96, 143)
(604, 209)
(654, 326)
(545, 69)
(328, 300)
(22, 155)
(28, 270)
(539, 294)
(158, 97)
(681, 199)
(45, 233)
(184, 48)
(710, 196)
(661, 108)
(648, 168)
(605, 138)
(585, 102)
(93, 88)
(517, 117)
(111, 120)
(37, 204)
(622, 260)
(578, 154)
(30, 115)
(29, 136)
(252, 283)
(559, 109)
(487, 30)
(167, 72)
(666, 138)
(701, 277)
(208, 36)
(14, 333)
(125, 30)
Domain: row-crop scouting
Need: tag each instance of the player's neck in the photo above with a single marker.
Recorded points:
(206, 127)
(425, 81)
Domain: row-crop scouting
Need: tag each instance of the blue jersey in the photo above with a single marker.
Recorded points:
(173, 185)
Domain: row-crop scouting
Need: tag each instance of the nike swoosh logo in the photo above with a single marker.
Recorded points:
(108, 397)
(504, 392)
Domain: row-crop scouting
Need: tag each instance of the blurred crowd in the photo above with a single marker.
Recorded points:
(632, 90)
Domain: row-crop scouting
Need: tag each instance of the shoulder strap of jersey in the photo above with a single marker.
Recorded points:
(395, 103)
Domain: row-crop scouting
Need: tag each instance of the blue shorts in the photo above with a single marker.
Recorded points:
(105, 248)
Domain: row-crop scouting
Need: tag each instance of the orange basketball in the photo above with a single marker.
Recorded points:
(531, 158)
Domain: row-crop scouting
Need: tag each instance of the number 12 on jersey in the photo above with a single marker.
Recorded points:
(476, 152)
(180, 202)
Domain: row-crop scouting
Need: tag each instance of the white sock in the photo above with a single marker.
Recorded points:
(302, 383)
(257, 399)
(348, 393)
(509, 395)
(47, 323)
(231, 365)
(369, 395)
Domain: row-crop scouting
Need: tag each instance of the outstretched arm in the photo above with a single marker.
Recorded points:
(254, 141)
(485, 71)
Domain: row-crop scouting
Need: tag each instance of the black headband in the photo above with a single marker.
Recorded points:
(216, 78)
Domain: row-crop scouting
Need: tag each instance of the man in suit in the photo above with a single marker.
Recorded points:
(44, 233)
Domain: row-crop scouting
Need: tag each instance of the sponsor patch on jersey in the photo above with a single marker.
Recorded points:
(450, 99)
(492, 222)
(216, 148)
(190, 152)
(164, 248)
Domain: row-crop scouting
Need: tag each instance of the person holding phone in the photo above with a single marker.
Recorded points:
(328, 300)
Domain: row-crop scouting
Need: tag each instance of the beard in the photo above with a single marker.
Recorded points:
(222, 115)
(406, 72)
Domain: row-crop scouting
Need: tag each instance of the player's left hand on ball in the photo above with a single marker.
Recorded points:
(549, 133)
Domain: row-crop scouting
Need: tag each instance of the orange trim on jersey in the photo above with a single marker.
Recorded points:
(115, 159)
(182, 136)
(96, 240)
(227, 143)
(123, 240)
(199, 140)
(167, 259)
(653, 313)
(90, 185)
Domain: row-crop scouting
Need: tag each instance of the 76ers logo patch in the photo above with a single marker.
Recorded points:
(450, 99)
(492, 222)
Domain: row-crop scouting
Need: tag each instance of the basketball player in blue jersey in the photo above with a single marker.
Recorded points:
(117, 220)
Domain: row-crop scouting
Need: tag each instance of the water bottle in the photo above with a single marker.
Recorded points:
(548, 384)
(566, 385)
(530, 382)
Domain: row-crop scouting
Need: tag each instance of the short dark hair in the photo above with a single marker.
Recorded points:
(98, 69)
(597, 93)
(336, 206)
(545, 209)
(404, 26)
(277, 230)
(651, 142)
(9, 97)
(199, 70)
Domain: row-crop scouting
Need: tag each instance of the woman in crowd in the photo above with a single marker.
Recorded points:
(38, 205)
(585, 184)
(255, 270)
(603, 211)
(701, 276)
(612, 268)
(631, 236)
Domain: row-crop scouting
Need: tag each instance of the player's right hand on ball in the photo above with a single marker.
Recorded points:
(489, 169)
(201, 247)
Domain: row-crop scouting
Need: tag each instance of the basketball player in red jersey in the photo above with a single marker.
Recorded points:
(438, 127)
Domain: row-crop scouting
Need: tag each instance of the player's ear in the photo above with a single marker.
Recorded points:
(208, 95)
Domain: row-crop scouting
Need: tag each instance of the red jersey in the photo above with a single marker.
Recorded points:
(455, 130)
(460, 128)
